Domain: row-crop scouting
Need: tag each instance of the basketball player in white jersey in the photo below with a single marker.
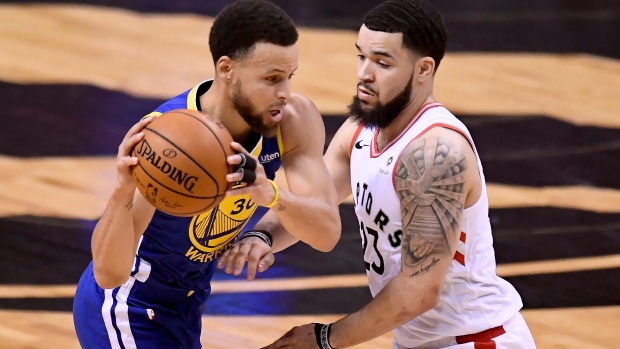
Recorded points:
(421, 200)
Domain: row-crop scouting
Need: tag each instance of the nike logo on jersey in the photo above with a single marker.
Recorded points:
(359, 145)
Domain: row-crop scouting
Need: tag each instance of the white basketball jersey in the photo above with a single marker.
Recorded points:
(474, 298)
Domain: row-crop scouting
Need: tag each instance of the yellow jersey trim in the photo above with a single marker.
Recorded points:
(191, 98)
(280, 141)
(155, 114)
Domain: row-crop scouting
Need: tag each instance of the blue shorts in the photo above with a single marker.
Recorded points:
(135, 316)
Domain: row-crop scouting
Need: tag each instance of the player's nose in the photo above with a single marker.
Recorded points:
(364, 72)
(284, 92)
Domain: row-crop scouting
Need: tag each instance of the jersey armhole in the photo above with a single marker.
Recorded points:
(453, 128)
(355, 135)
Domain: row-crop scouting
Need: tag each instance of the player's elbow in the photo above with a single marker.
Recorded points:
(428, 300)
(330, 236)
(325, 246)
(108, 279)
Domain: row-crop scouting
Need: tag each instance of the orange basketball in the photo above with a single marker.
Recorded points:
(182, 164)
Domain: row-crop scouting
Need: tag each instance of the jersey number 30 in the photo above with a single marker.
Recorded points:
(379, 269)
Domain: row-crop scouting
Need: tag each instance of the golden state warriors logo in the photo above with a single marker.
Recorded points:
(215, 231)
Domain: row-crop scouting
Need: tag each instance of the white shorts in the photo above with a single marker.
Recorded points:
(514, 334)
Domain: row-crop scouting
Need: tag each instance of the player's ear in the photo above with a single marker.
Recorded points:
(424, 68)
(224, 67)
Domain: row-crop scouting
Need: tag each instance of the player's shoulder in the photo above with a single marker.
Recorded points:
(302, 125)
(301, 116)
(442, 136)
(184, 100)
(300, 106)
(176, 102)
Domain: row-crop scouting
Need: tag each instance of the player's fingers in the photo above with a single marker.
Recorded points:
(234, 159)
(234, 177)
(139, 126)
(128, 144)
(242, 175)
(286, 341)
(253, 259)
(222, 260)
(239, 191)
(231, 258)
(239, 149)
(266, 262)
(240, 258)
(127, 161)
(282, 342)
(273, 345)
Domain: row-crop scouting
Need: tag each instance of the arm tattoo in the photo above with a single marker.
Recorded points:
(430, 185)
(129, 205)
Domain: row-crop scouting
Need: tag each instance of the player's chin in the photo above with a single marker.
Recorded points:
(271, 122)
(267, 129)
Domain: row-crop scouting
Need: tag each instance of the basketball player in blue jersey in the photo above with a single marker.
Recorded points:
(149, 280)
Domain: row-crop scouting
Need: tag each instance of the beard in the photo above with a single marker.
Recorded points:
(381, 115)
(244, 107)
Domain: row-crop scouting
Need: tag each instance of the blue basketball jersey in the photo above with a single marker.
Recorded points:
(161, 304)
(179, 252)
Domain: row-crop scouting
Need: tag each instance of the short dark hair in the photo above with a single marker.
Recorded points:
(424, 31)
(242, 24)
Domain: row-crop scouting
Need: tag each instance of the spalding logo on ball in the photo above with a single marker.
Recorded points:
(182, 164)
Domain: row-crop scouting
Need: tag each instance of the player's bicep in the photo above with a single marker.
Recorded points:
(337, 159)
(430, 182)
(307, 175)
(302, 162)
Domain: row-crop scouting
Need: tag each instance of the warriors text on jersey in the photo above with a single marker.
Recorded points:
(474, 298)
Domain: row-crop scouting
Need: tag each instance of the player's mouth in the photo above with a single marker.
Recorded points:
(276, 115)
(364, 94)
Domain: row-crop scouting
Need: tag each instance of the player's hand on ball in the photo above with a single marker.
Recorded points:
(124, 159)
(252, 250)
(299, 337)
(251, 172)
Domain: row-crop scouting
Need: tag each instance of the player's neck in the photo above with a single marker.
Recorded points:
(216, 103)
(386, 135)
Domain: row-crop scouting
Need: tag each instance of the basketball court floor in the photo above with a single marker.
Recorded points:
(536, 82)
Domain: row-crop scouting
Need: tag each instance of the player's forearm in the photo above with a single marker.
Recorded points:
(281, 238)
(400, 301)
(113, 241)
(311, 220)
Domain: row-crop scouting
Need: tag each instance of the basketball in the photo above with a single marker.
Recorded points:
(182, 164)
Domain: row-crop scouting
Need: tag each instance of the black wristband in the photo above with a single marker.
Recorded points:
(261, 234)
(321, 332)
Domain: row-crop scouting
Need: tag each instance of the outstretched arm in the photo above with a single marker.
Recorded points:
(434, 177)
(336, 160)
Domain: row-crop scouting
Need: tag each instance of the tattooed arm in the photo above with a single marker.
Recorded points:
(436, 178)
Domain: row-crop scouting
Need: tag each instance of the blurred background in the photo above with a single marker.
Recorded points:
(536, 82)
